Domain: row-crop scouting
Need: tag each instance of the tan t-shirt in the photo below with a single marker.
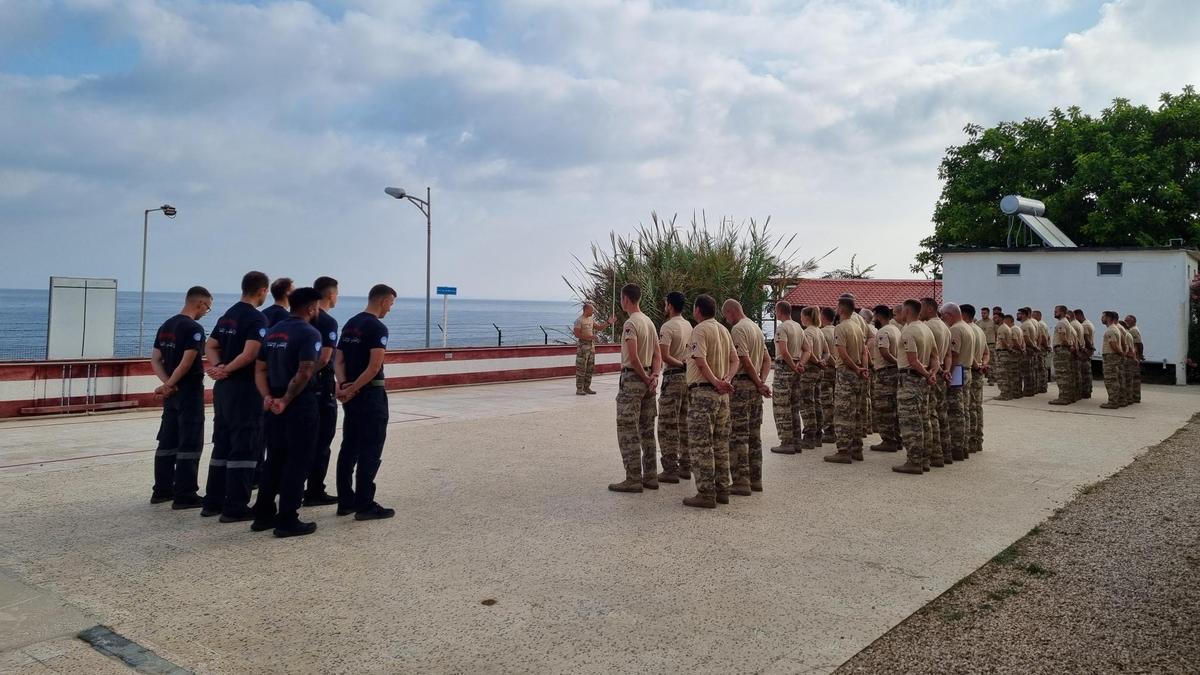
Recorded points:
(1126, 338)
(1112, 334)
(792, 334)
(916, 338)
(638, 326)
(710, 341)
(1089, 334)
(980, 343)
(587, 328)
(941, 338)
(827, 333)
(749, 341)
(1043, 330)
(1078, 328)
(1016, 338)
(1003, 336)
(989, 330)
(1136, 334)
(1030, 331)
(674, 335)
(1064, 335)
(962, 342)
(887, 340)
(820, 350)
(849, 335)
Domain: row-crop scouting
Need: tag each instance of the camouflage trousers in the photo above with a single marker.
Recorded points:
(585, 364)
(975, 432)
(884, 385)
(847, 410)
(708, 439)
(912, 403)
(1029, 371)
(1133, 380)
(938, 443)
(1085, 376)
(785, 403)
(1065, 374)
(993, 377)
(828, 386)
(672, 423)
(745, 439)
(810, 404)
(864, 405)
(1000, 366)
(1043, 364)
(1115, 371)
(958, 406)
(635, 428)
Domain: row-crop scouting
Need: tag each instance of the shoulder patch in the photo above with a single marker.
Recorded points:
(262, 332)
(318, 346)
(383, 340)
(333, 335)
(197, 337)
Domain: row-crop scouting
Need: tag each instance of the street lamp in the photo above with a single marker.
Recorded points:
(423, 205)
(168, 211)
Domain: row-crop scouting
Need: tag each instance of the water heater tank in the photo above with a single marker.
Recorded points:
(1013, 204)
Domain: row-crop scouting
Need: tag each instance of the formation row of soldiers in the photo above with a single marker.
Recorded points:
(279, 375)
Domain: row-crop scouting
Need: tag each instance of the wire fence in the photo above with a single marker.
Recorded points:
(26, 341)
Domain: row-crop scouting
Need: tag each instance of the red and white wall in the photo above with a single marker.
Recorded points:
(48, 387)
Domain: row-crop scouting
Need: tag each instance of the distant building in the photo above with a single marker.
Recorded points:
(867, 292)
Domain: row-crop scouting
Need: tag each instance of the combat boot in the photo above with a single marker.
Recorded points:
(1109, 406)
(783, 450)
(722, 495)
(740, 488)
(884, 446)
(650, 483)
(958, 455)
(806, 444)
(937, 463)
(909, 468)
(627, 485)
(856, 454)
(701, 501)
(685, 474)
(668, 477)
(756, 485)
(589, 391)
(838, 458)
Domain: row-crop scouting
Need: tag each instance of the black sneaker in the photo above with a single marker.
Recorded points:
(236, 517)
(262, 524)
(160, 497)
(296, 529)
(209, 513)
(345, 510)
(375, 512)
(322, 499)
(187, 502)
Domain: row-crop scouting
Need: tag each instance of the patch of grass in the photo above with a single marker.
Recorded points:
(1086, 489)
(1034, 532)
(985, 607)
(950, 615)
(1008, 555)
(1036, 570)
(1003, 593)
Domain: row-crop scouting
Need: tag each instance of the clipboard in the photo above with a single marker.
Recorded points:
(956, 376)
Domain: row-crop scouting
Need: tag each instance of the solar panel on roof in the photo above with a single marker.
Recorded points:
(1048, 231)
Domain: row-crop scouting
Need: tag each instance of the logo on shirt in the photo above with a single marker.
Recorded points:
(196, 337)
(262, 332)
(333, 336)
(383, 340)
(318, 347)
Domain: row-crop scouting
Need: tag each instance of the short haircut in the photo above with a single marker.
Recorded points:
(783, 307)
(930, 303)
(676, 300)
(280, 287)
(828, 314)
(997, 310)
(381, 291)
(198, 293)
(254, 282)
(1110, 314)
(324, 284)
(302, 298)
(884, 311)
(632, 291)
(985, 309)
(968, 310)
(706, 305)
(846, 304)
(913, 305)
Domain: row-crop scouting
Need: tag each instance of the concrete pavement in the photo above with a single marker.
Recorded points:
(500, 493)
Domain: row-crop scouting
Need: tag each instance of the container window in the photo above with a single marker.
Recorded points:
(1008, 270)
(1108, 269)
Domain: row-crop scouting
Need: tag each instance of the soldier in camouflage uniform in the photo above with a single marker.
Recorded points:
(981, 367)
(789, 341)
(851, 374)
(828, 379)
(746, 402)
(939, 412)
(814, 358)
(958, 397)
(1065, 371)
(1086, 353)
(585, 354)
(1112, 351)
(885, 356)
(641, 367)
(673, 339)
(710, 365)
(916, 343)
(1135, 366)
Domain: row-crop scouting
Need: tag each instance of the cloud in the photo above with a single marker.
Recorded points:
(541, 125)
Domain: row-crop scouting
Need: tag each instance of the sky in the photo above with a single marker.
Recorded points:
(540, 125)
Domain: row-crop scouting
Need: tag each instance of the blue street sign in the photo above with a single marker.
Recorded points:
(447, 290)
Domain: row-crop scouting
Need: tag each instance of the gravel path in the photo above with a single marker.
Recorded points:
(1109, 584)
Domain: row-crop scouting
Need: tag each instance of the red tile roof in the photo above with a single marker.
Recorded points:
(867, 292)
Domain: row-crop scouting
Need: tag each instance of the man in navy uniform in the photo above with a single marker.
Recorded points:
(284, 374)
(176, 360)
(359, 368)
(326, 390)
(237, 406)
(281, 288)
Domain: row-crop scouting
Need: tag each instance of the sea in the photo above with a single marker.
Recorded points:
(471, 322)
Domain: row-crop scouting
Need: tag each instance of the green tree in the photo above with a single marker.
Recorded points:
(853, 271)
(731, 261)
(1130, 177)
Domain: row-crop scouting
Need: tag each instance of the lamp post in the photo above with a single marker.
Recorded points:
(168, 211)
(424, 206)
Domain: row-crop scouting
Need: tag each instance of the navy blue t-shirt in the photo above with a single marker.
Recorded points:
(287, 344)
(327, 326)
(240, 324)
(360, 335)
(176, 336)
(275, 314)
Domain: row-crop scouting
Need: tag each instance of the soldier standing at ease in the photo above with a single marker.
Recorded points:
(1131, 360)
(851, 374)
(1016, 356)
(746, 401)
(870, 330)
(585, 353)
(1000, 364)
(828, 377)
(284, 375)
(673, 339)
(980, 368)
(1030, 333)
(176, 360)
(958, 395)
(1043, 360)
(912, 398)
(358, 366)
(785, 405)
(711, 363)
(1135, 367)
(988, 325)
(1078, 356)
(811, 375)
(325, 387)
(939, 415)
(1113, 352)
(1086, 354)
(281, 288)
(237, 405)
(1065, 371)
(641, 366)
(885, 379)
